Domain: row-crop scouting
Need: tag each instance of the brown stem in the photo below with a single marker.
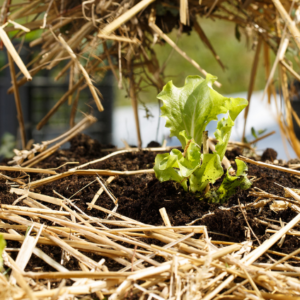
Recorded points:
(204, 141)
(134, 103)
(17, 100)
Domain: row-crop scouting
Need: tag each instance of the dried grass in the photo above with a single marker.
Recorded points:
(181, 267)
(126, 30)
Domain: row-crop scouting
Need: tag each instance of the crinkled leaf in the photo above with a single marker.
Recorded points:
(177, 160)
(170, 160)
(222, 134)
(193, 153)
(209, 171)
(235, 106)
(168, 173)
(194, 105)
(231, 183)
(242, 168)
(2, 246)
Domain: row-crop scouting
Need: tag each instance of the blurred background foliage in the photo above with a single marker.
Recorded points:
(235, 50)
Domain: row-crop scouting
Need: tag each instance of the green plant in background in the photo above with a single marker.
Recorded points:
(255, 134)
(8, 143)
(188, 110)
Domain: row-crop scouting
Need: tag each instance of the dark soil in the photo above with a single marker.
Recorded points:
(141, 196)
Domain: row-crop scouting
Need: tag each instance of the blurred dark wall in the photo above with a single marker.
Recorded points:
(40, 95)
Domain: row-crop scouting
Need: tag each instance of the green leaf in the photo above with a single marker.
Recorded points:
(253, 132)
(261, 131)
(2, 246)
(177, 160)
(222, 134)
(230, 183)
(168, 173)
(235, 106)
(170, 160)
(210, 170)
(188, 110)
(192, 107)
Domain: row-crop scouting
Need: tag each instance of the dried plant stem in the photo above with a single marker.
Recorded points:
(110, 61)
(71, 82)
(290, 69)
(27, 170)
(73, 290)
(17, 100)
(19, 278)
(108, 181)
(118, 153)
(206, 41)
(14, 54)
(281, 50)
(24, 79)
(79, 274)
(125, 17)
(253, 256)
(274, 167)
(35, 210)
(134, 103)
(120, 86)
(184, 12)
(289, 22)
(262, 137)
(119, 38)
(63, 99)
(267, 68)
(83, 124)
(174, 46)
(74, 109)
(165, 217)
(251, 84)
(84, 73)
(92, 172)
(205, 142)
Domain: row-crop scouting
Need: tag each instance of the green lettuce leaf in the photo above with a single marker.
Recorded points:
(194, 105)
(187, 111)
(169, 173)
(222, 134)
(230, 183)
(210, 170)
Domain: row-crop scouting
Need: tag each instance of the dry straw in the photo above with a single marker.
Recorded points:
(179, 262)
(191, 268)
(126, 31)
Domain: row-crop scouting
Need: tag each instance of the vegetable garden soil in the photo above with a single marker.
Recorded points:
(141, 196)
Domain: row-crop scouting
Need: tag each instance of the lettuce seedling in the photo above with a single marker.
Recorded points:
(188, 110)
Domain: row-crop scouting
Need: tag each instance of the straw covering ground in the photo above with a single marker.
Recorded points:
(92, 37)
(86, 233)
(106, 228)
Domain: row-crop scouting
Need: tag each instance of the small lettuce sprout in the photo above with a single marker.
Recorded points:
(188, 110)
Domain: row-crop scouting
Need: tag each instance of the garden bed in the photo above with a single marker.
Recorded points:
(140, 198)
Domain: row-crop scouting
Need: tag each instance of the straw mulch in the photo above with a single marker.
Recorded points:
(94, 36)
(159, 262)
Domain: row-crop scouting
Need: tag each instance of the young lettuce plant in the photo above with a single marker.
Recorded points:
(188, 110)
